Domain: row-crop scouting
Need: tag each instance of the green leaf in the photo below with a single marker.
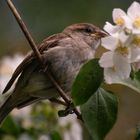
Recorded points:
(55, 136)
(100, 113)
(87, 82)
(10, 127)
(133, 83)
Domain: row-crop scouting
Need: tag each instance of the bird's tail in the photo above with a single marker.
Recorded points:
(5, 109)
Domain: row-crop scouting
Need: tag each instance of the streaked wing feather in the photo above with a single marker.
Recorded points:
(46, 44)
(16, 73)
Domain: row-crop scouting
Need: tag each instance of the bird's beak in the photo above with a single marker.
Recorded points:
(100, 34)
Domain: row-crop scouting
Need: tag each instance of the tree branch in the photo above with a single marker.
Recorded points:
(24, 29)
(54, 100)
(38, 55)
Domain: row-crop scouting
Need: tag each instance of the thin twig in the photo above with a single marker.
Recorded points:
(61, 92)
(58, 101)
(25, 30)
(38, 55)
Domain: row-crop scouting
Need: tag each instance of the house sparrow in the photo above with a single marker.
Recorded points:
(63, 55)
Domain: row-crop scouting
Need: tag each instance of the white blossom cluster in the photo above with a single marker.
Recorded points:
(122, 45)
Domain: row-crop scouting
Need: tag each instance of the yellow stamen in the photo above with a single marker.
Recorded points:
(120, 21)
(136, 23)
(122, 50)
(136, 41)
(113, 68)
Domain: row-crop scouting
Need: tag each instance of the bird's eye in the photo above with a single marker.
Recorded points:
(89, 30)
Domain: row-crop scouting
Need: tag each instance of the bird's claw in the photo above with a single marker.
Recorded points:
(67, 111)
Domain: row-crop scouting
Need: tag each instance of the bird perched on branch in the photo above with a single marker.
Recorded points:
(63, 54)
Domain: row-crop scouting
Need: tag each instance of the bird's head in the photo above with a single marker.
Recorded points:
(86, 32)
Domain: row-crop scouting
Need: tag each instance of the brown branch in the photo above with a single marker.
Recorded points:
(24, 29)
(61, 92)
(38, 55)
(54, 100)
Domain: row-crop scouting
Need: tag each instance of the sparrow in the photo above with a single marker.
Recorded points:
(63, 55)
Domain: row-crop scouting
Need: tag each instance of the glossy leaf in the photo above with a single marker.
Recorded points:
(87, 82)
(100, 113)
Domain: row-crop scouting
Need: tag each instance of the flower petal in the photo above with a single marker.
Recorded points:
(128, 22)
(120, 71)
(109, 42)
(123, 37)
(111, 76)
(134, 10)
(122, 65)
(136, 66)
(106, 60)
(111, 29)
(134, 54)
(136, 31)
(118, 14)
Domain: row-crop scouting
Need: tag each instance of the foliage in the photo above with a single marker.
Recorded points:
(87, 82)
(100, 113)
(34, 127)
(99, 108)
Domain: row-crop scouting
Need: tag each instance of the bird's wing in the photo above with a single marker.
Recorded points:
(46, 44)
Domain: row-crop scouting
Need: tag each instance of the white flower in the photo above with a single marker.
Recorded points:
(120, 70)
(116, 61)
(124, 50)
(111, 29)
(133, 45)
(123, 44)
(131, 20)
(134, 14)
(118, 16)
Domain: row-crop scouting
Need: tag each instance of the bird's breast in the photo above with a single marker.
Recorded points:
(65, 63)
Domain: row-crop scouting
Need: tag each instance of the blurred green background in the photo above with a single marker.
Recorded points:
(46, 17)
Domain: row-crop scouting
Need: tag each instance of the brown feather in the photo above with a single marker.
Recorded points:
(46, 44)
